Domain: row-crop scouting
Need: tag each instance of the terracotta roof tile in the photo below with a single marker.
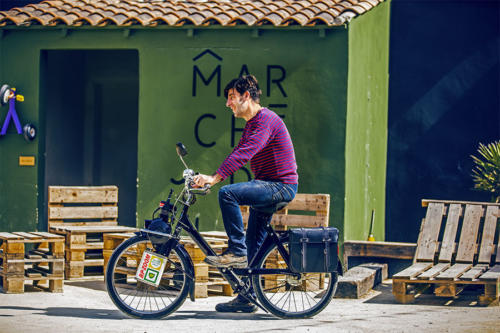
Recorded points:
(73, 13)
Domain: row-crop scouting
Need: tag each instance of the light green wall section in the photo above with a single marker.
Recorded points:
(315, 85)
(366, 128)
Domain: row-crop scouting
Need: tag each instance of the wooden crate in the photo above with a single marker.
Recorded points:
(111, 242)
(43, 264)
(446, 266)
(84, 214)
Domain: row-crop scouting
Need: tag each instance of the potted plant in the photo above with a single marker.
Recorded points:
(486, 172)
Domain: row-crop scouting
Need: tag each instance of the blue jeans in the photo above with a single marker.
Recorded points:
(262, 197)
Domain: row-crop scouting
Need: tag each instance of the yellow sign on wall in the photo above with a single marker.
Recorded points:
(26, 160)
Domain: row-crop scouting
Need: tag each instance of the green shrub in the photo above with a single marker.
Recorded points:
(486, 172)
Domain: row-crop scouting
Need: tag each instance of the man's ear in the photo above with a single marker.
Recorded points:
(246, 94)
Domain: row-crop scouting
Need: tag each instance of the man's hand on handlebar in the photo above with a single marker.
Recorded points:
(203, 180)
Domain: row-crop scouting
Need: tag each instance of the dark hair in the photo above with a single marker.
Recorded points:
(245, 83)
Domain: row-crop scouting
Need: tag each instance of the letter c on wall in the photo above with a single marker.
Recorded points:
(196, 130)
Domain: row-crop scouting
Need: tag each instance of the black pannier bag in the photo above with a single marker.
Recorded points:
(313, 250)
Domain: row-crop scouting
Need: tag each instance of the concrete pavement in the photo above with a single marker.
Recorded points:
(86, 307)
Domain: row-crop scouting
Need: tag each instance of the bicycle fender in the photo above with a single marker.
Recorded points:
(189, 270)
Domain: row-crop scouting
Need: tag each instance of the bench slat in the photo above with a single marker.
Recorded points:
(454, 272)
(413, 270)
(492, 274)
(427, 242)
(295, 220)
(433, 271)
(468, 235)
(92, 212)
(426, 202)
(300, 220)
(93, 229)
(474, 272)
(48, 235)
(27, 235)
(79, 224)
(310, 202)
(83, 194)
(450, 233)
(487, 246)
(9, 236)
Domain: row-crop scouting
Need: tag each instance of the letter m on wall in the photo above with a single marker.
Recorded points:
(197, 73)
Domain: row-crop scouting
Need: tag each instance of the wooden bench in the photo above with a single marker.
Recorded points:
(305, 210)
(448, 266)
(83, 214)
(41, 261)
(378, 249)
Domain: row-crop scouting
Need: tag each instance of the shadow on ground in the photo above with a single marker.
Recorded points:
(467, 298)
(100, 314)
(69, 312)
(94, 285)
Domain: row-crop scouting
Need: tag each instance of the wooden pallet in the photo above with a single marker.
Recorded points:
(83, 214)
(42, 264)
(447, 266)
(305, 211)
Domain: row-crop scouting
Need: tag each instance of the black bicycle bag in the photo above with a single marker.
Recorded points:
(313, 250)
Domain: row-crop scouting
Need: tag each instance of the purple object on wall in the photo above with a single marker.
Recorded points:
(11, 115)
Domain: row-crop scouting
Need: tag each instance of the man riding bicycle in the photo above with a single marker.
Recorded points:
(266, 143)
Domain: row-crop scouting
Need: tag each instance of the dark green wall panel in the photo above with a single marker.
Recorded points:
(303, 75)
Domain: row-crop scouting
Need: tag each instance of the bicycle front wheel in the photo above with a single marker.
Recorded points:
(289, 296)
(140, 300)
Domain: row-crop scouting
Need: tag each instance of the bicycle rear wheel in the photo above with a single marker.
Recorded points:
(287, 296)
(140, 300)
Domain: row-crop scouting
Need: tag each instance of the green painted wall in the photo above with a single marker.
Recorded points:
(366, 128)
(316, 70)
(303, 71)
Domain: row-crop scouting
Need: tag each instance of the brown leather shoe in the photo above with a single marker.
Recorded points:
(227, 260)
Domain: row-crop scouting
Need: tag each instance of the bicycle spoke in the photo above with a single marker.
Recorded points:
(150, 305)
(145, 302)
(294, 302)
(310, 297)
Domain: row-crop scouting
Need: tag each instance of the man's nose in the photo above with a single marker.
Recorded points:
(228, 103)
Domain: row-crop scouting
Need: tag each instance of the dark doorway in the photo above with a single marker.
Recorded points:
(89, 102)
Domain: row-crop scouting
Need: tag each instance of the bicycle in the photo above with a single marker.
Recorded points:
(278, 289)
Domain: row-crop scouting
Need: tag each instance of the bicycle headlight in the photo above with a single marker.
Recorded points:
(159, 225)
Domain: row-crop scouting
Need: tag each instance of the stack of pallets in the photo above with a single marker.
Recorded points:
(44, 262)
(83, 215)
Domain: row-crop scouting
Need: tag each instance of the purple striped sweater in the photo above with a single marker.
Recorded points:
(266, 143)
